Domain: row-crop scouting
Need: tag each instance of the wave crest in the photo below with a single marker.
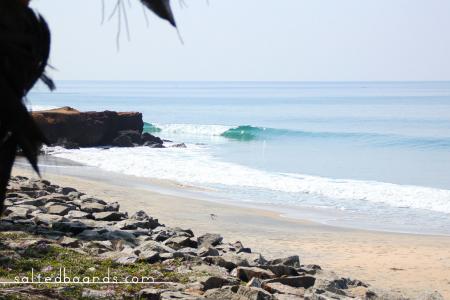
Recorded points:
(251, 133)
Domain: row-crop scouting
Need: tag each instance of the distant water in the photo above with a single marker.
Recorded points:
(367, 155)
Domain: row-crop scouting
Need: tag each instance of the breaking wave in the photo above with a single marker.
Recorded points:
(251, 133)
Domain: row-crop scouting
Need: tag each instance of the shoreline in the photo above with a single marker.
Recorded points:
(383, 259)
(303, 214)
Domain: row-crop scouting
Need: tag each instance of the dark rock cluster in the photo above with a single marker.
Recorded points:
(71, 128)
(71, 219)
(132, 138)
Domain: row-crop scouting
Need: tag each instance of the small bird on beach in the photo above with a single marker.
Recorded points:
(24, 52)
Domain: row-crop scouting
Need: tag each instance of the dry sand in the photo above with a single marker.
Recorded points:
(409, 263)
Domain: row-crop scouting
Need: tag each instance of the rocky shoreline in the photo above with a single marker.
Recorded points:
(46, 227)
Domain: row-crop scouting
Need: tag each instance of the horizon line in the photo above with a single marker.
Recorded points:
(256, 81)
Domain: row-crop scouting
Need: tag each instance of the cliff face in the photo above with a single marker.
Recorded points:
(86, 129)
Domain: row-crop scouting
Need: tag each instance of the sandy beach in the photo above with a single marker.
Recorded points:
(412, 264)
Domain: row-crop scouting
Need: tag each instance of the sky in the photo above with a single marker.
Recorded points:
(253, 40)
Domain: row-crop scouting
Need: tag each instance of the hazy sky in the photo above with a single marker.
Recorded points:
(255, 40)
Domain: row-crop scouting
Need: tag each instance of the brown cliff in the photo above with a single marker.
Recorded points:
(86, 129)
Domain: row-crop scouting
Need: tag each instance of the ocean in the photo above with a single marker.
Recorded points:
(370, 155)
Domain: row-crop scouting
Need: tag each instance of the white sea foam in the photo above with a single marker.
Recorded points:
(196, 165)
(193, 129)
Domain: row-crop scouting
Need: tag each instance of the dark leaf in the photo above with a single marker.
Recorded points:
(162, 9)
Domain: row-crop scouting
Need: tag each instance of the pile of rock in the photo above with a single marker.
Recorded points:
(133, 138)
(231, 271)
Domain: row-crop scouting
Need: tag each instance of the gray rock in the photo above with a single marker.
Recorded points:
(114, 206)
(48, 219)
(67, 190)
(140, 216)
(187, 250)
(247, 273)
(144, 233)
(336, 285)
(8, 203)
(95, 224)
(54, 198)
(287, 297)
(214, 282)
(244, 250)
(122, 245)
(154, 246)
(229, 261)
(17, 196)
(149, 256)
(93, 207)
(33, 202)
(149, 294)
(209, 239)
(90, 235)
(26, 224)
(253, 259)
(291, 261)
(182, 145)
(109, 216)
(132, 224)
(211, 270)
(97, 294)
(278, 288)
(281, 270)
(69, 242)
(251, 293)
(178, 295)
(161, 236)
(59, 209)
(181, 232)
(126, 260)
(233, 260)
(78, 214)
(255, 282)
(166, 256)
(72, 227)
(186, 257)
(98, 247)
(119, 235)
(325, 295)
(89, 199)
(16, 213)
(36, 194)
(226, 248)
(74, 195)
(207, 251)
(293, 281)
(309, 269)
(48, 233)
(228, 292)
(178, 242)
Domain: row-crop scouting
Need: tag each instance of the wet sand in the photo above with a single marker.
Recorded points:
(409, 263)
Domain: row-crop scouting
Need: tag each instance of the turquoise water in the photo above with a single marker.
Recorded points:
(378, 151)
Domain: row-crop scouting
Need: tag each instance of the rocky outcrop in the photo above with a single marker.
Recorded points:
(71, 128)
(46, 226)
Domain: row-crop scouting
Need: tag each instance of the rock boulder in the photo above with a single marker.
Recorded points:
(86, 129)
